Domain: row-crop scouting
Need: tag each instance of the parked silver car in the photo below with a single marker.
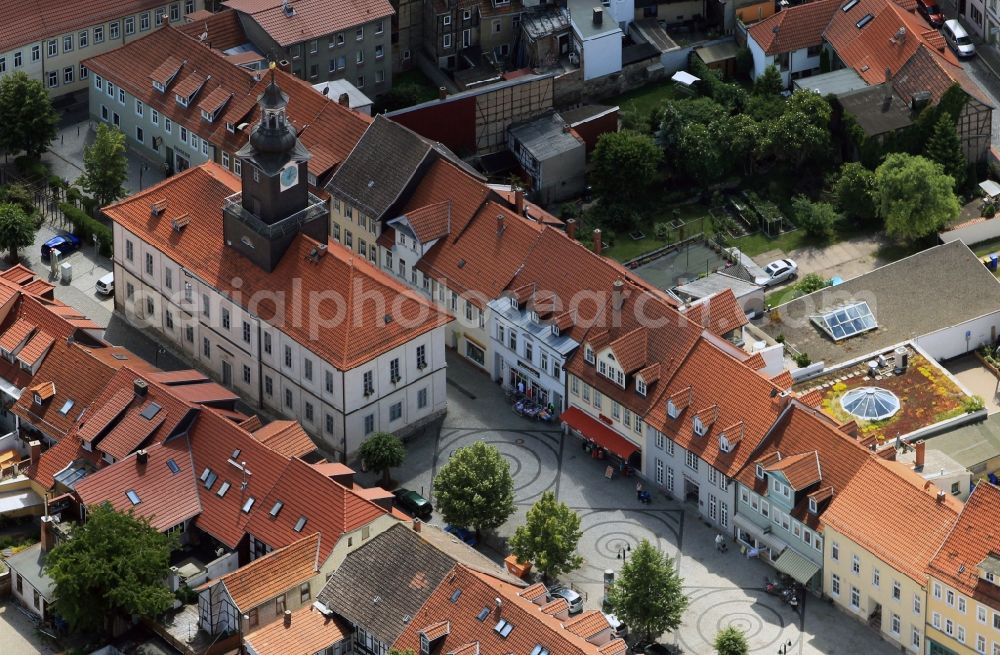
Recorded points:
(574, 599)
(777, 272)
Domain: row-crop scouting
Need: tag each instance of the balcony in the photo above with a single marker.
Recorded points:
(316, 208)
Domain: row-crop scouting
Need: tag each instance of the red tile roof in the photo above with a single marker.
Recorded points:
(222, 30)
(809, 449)
(719, 313)
(35, 349)
(328, 507)
(104, 414)
(287, 438)
(311, 19)
(166, 497)
(740, 397)
(446, 182)
(273, 574)
(974, 536)
(794, 28)
(324, 127)
(587, 624)
(310, 631)
(483, 259)
(27, 21)
(16, 335)
(902, 524)
(430, 222)
(199, 247)
(531, 625)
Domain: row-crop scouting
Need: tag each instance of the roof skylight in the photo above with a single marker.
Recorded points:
(247, 505)
(301, 523)
(150, 412)
(850, 5)
(867, 18)
(846, 321)
(133, 497)
(870, 403)
(68, 405)
(172, 465)
(277, 508)
(223, 489)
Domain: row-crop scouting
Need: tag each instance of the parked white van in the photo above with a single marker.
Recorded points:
(958, 39)
(106, 285)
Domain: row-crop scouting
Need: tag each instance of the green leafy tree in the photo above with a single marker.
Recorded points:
(548, 537)
(475, 488)
(648, 594)
(731, 641)
(810, 283)
(17, 229)
(744, 137)
(624, 162)
(703, 111)
(855, 192)
(816, 218)
(114, 564)
(381, 452)
(700, 158)
(801, 135)
(105, 165)
(914, 196)
(945, 148)
(29, 121)
(769, 83)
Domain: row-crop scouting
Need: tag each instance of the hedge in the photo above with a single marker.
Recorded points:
(85, 227)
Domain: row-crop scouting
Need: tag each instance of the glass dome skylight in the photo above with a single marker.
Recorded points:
(870, 403)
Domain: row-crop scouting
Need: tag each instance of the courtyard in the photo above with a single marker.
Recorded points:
(724, 588)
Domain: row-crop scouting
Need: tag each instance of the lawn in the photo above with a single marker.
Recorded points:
(626, 248)
(987, 247)
(643, 100)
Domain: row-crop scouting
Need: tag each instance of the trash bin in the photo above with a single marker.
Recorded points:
(66, 271)
(993, 261)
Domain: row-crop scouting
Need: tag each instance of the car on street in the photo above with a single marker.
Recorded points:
(574, 599)
(463, 535)
(931, 12)
(413, 503)
(777, 272)
(958, 39)
(106, 285)
(64, 243)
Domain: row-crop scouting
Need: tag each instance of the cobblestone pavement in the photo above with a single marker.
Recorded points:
(724, 588)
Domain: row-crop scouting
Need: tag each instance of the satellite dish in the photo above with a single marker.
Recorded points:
(326, 90)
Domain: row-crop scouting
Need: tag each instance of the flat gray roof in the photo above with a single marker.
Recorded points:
(937, 288)
(544, 137)
(973, 445)
(582, 15)
(28, 563)
(835, 82)
(714, 283)
(875, 117)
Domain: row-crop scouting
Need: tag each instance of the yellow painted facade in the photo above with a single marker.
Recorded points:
(862, 584)
(959, 625)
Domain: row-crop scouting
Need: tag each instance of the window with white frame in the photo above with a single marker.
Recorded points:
(855, 564)
(691, 460)
(855, 597)
(835, 585)
(834, 551)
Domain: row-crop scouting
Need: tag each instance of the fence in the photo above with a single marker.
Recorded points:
(972, 234)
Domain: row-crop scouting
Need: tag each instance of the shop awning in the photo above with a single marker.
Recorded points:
(766, 539)
(599, 433)
(796, 566)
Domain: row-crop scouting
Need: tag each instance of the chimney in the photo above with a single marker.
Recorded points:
(344, 100)
(918, 461)
(285, 66)
(566, 128)
(940, 496)
(141, 457)
(288, 618)
(571, 227)
(598, 244)
(598, 15)
(36, 451)
(140, 387)
(47, 534)
(442, 92)
(500, 224)
(519, 201)
(416, 525)
(617, 295)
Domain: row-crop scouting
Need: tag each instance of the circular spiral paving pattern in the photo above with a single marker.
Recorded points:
(531, 457)
(765, 622)
(605, 534)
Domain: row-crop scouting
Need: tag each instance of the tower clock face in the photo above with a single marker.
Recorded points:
(289, 176)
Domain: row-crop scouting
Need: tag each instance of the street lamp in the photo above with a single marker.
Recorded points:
(623, 551)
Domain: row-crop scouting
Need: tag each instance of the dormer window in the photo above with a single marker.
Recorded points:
(555, 330)
(182, 100)
(230, 127)
(602, 367)
(159, 87)
(760, 472)
(698, 426)
(37, 398)
(640, 387)
(724, 444)
(208, 116)
(813, 507)
(672, 410)
(588, 354)
(534, 317)
(513, 302)
(425, 644)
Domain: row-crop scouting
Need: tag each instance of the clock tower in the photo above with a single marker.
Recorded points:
(275, 203)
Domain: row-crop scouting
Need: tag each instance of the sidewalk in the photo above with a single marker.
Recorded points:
(65, 157)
